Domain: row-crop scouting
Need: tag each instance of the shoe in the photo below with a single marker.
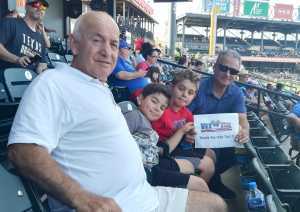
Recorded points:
(223, 191)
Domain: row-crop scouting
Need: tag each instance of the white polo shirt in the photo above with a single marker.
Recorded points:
(75, 117)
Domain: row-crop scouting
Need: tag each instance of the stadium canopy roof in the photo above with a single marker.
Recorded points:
(242, 23)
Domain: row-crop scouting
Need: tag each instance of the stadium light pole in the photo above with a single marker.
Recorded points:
(173, 29)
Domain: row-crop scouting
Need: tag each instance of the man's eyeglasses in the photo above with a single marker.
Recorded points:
(38, 5)
(224, 68)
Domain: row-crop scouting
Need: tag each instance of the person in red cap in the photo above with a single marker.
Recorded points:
(21, 43)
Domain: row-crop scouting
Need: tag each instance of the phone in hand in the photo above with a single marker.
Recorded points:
(35, 59)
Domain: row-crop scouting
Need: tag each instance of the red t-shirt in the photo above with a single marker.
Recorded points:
(143, 66)
(170, 121)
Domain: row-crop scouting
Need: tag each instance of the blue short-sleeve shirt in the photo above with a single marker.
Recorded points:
(296, 111)
(205, 102)
(134, 84)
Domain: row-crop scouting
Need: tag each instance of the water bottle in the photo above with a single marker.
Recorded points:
(255, 199)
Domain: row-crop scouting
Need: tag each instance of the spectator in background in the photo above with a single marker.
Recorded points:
(21, 45)
(198, 65)
(243, 78)
(125, 74)
(140, 57)
(41, 28)
(150, 59)
(269, 86)
(219, 94)
(279, 87)
(183, 61)
(294, 120)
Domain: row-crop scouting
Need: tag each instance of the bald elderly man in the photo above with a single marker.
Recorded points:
(70, 137)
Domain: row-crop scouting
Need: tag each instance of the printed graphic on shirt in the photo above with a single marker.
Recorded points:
(30, 47)
(178, 124)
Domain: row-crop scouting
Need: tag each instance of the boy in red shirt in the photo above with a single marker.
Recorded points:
(176, 127)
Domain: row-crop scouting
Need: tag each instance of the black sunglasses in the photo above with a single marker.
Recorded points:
(224, 68)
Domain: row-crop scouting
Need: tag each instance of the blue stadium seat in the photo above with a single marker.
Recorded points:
(8, 110)
(120, 93)
(3, 94)
(68, 58)
(13, 196)
(16, 81)
(272, 155)
(54, 58)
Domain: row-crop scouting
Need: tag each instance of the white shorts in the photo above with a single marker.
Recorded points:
(171, 199)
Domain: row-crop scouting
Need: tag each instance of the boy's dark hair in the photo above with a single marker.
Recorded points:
(156, 88)
(186, 75)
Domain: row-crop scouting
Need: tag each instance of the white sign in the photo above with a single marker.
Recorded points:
(216, 130)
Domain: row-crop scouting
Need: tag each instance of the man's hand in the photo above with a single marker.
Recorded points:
(141, 73)
(23, 61)
(89, 202)
(40, 27)
(243, 136)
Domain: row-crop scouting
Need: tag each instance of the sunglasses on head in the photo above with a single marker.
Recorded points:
(224, 68)
(38, 5)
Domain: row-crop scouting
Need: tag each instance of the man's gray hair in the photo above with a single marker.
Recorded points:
(229, 53)
(77, 31)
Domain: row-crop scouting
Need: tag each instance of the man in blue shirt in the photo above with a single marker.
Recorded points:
(218, 94)
(294, 120)
(125, 74)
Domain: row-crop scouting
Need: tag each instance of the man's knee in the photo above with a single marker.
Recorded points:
(204, 201)
(185, 166)
(207, 167)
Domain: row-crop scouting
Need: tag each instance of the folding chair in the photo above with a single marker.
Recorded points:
(13, 196)
(68, 58)
(8, 110)
(120, 93)
(54, 57)
(3, 94)
(5, 126)
(285, 179)
(272, 155)
(16, 81)
(264, 141)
